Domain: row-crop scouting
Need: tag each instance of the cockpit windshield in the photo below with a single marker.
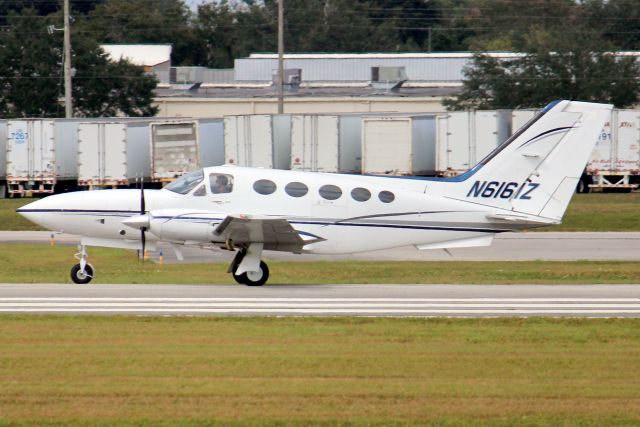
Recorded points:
(186, 183)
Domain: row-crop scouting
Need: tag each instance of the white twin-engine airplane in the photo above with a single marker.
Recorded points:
(526, 182)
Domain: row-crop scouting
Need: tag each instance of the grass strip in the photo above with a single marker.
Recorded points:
(33, 263)
(65, 370)
(601, 212)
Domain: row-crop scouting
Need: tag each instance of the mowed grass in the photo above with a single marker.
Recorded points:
(601, 212)
(586, 212)
(10, 220)
(318, 371)
(33, 263)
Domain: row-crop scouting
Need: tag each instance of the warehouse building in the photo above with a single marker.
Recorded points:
(316, 84)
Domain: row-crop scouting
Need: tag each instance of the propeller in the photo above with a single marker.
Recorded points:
(143, 229)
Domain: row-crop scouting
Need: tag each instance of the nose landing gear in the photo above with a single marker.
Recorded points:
(82, 273)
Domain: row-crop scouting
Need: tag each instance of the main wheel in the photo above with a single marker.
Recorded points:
(81, 277)
(253, 278)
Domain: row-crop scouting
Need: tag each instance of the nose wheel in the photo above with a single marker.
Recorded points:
(82, 273)
(247, 268)
(82, 276)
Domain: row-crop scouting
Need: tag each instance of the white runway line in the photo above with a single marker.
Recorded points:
(249, 299)
(331, 306)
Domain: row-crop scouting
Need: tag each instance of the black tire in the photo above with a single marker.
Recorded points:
(79, 277)
(254, 279)
(583, 184)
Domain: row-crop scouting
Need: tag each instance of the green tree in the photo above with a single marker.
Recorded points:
(225, 32)
(619, 21)
(31, 75)
(506, 25)
(552, 67)
(142, 22)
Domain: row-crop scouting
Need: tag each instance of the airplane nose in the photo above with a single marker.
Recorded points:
(31, 211)
(42, 211)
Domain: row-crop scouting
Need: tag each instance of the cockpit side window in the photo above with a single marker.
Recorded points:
(201, 191)
(186, 183)
(221, 183)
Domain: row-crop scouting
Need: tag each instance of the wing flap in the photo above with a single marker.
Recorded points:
(277, 234)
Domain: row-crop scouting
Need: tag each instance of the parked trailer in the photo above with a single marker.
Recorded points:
(258, 141)
(30, 157)
(519, 118)
(615, 160)
(211, 142)
(113, 153)
(326, 143)
(3, 158)
(466, 137)
(396, 145)
(315, 142)
(174, 149)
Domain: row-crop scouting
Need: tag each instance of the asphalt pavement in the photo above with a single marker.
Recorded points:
(525, 246)
(326, 300)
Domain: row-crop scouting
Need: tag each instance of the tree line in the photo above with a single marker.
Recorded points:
(567, 44)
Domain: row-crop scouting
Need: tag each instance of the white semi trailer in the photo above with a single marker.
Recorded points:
(30, 157)
(615, 160)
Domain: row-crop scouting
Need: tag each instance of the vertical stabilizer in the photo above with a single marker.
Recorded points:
(536, 171)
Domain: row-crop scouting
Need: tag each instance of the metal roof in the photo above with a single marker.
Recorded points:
(146, 55)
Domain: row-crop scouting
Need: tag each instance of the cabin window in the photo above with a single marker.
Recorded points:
(296, 189)
(201, 191)
(221, 183)
(330, 192)
(360, 194)
(186, 182)
(386, 196)
(264, 186)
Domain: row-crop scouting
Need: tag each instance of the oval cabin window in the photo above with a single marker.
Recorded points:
(386, 196)
(296, 189)
(264, 186)
(360, 194)
(330, 192)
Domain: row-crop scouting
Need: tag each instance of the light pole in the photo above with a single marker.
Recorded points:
(68, 100)
(66, 60)
(280, 57)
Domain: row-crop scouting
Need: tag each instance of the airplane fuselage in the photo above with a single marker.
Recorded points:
(345, 213)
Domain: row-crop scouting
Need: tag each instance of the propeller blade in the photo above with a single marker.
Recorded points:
(142, 201)
(143, 239)
(143, 229)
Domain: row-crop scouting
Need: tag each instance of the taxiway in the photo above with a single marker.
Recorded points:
(527, 246)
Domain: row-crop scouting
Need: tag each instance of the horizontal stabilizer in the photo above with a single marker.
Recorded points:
(523, 219)
(471, 242)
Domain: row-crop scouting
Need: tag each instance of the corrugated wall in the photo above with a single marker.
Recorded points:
(439, 69)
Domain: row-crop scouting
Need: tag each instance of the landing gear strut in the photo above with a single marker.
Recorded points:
(82, 273)
(247, 268)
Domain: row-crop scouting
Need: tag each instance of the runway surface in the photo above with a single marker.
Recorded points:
(326, 300)
(551, 246)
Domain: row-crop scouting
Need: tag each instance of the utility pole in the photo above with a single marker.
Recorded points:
(280, 56)
(68, 101)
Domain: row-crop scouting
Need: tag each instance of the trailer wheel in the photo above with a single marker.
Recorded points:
(583, 184)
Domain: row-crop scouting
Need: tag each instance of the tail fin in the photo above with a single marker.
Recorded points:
(536, 171)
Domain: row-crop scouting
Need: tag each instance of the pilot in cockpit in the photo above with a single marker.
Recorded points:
(221, 185)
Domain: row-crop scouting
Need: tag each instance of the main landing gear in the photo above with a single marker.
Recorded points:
(247, 268)
(82, 273)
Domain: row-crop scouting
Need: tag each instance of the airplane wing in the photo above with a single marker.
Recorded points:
(277, 234)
